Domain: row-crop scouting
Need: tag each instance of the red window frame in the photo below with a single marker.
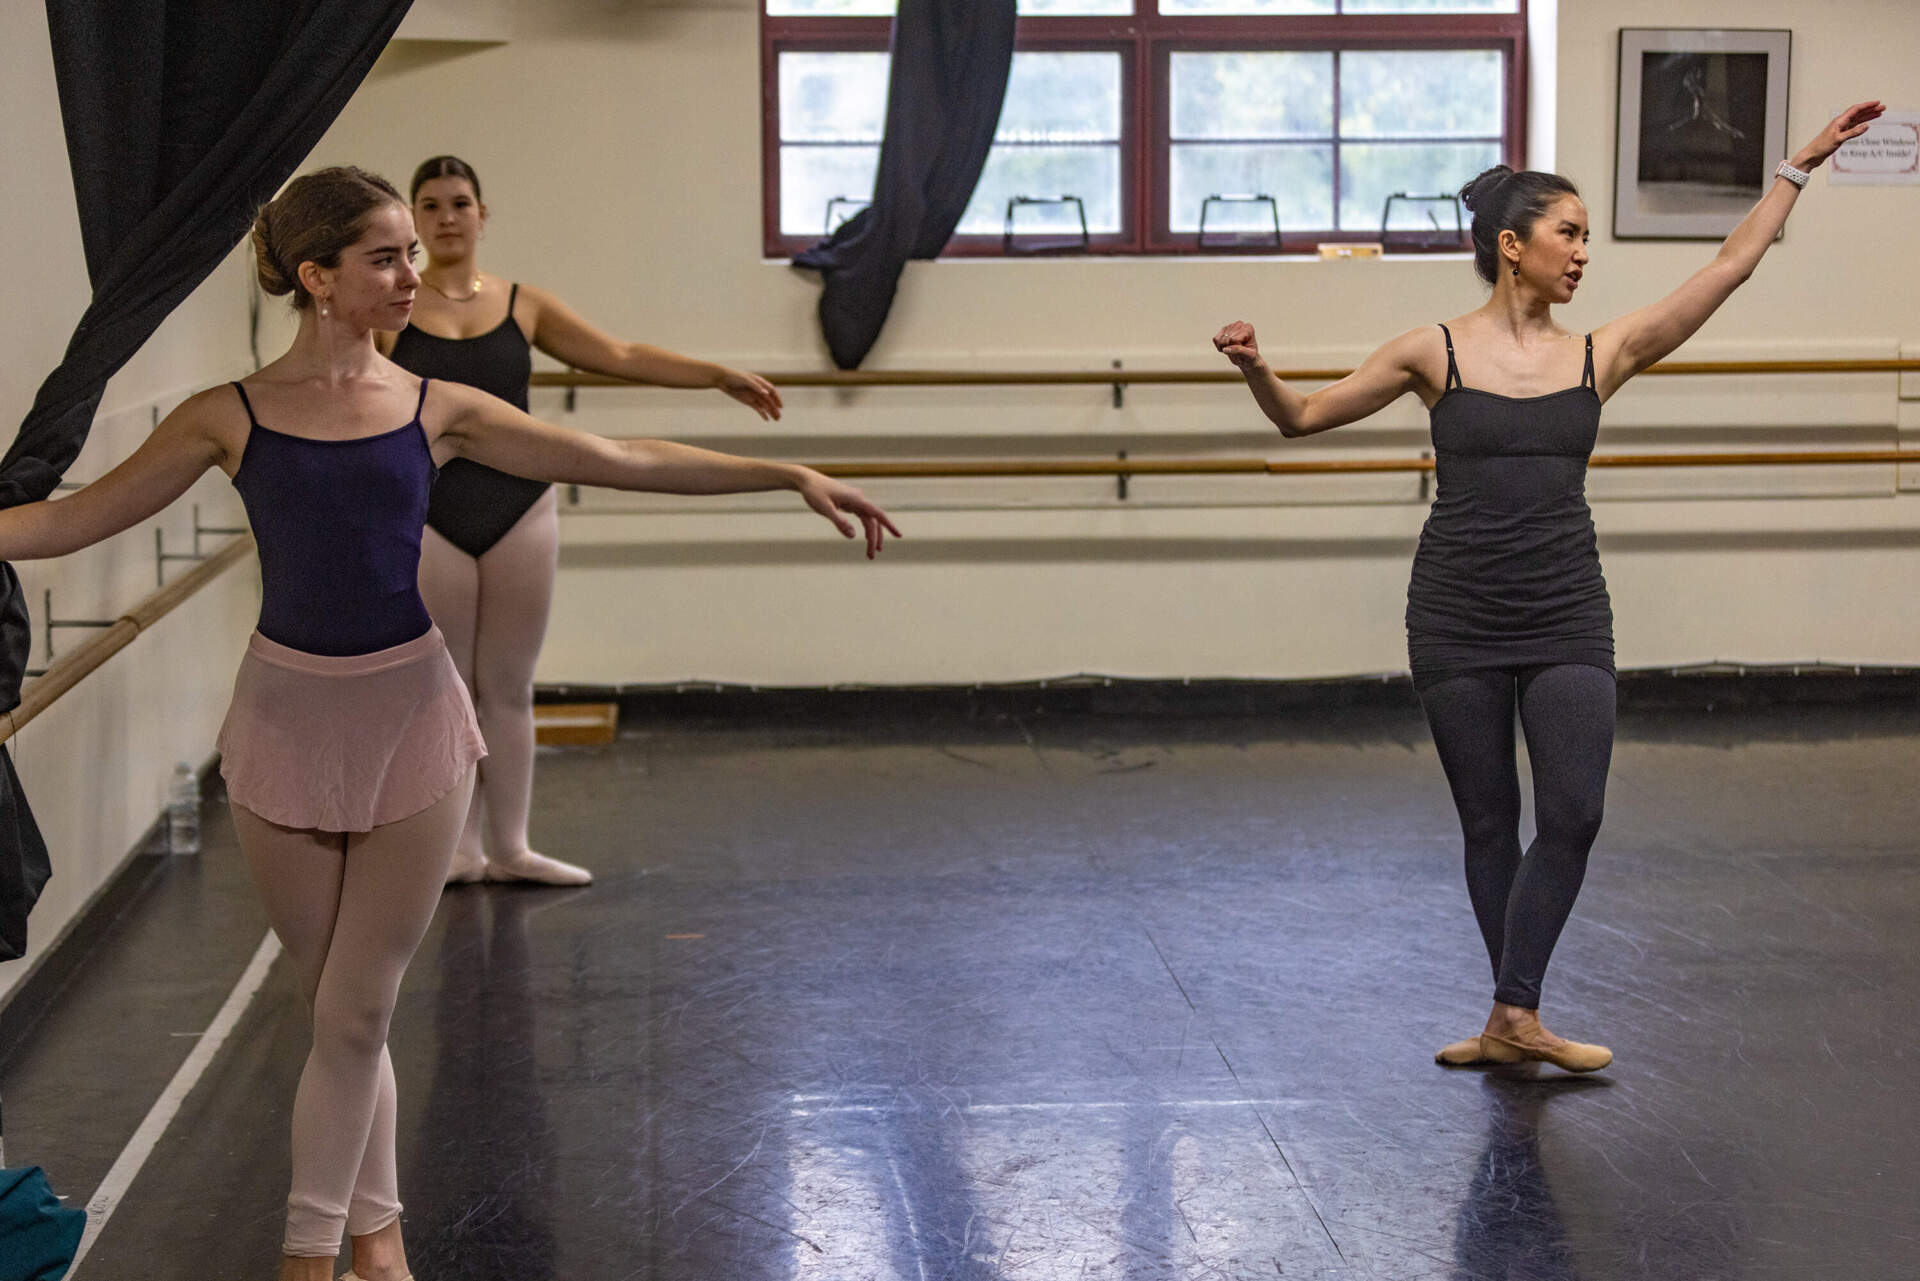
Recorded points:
(1146, 42)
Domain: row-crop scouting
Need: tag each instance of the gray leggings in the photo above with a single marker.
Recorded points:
(1522, 900)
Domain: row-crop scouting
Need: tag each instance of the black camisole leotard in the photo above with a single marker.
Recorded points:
(472, 505)
(1507, 573)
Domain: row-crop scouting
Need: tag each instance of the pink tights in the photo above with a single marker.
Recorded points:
(493, 611)
(350, 910)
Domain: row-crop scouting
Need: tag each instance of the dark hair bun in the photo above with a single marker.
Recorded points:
(313, 220)
(1479, 191)
(1503, 200)
(273, 277)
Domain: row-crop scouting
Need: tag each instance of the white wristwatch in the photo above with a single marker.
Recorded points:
(1798, 177)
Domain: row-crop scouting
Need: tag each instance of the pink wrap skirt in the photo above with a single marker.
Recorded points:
(347, 744)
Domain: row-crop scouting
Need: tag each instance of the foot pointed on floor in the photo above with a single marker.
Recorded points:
(1514, 1034)
(470, 867)
(527, 866)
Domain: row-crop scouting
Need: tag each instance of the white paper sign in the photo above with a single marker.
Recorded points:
(1886, 155)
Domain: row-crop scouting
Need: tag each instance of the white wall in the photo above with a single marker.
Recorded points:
(619, 147)
(95, 766)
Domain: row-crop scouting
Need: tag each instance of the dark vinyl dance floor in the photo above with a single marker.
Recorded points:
(1073, 997)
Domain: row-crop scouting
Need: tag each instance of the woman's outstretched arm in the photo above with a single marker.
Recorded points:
(163, 468)
(1641, 338)
(1381, 379)
(560, 331)
(488, 430)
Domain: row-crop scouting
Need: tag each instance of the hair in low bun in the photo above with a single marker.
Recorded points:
(314, 219)
(273, 278)
(1503, 199)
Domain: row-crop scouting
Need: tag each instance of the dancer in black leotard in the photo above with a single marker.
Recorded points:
(488, 563)
(474, 506)
(1507, 607)
(349, 748)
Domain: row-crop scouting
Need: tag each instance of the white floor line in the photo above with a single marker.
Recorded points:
(112, 1188)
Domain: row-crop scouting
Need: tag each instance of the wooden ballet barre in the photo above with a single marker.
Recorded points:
(69, 670)
(1320, 466)
(1145, 377)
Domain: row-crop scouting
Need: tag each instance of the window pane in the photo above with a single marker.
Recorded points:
(1425, 93)
(1432, 6)
(885, 8)
(1054, 99)
(833, 97)
(1089, 172)
(1252, 95)
(1062, 97)
(1299, 178)
(1245, 6)
(1074, 8)
(830, 8)
(811, 176)
(1370, 172)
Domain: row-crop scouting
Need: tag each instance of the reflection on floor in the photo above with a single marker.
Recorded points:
(1075, 998)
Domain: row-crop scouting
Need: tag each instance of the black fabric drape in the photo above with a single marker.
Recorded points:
(25, 868)
(949, 73)
(182, 117)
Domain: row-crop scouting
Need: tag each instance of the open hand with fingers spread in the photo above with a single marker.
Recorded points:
(753, 391)
(1846, 126)
(1236, 342)
(831, 498)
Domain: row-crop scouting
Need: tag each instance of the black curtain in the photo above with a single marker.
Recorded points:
(182, 117)
(949, 77)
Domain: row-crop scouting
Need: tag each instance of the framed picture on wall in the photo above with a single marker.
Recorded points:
(1700, 123)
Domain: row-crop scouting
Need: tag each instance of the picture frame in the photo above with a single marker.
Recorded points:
(1700, 123)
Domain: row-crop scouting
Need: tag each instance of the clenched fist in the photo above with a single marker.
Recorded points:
(1236, 343)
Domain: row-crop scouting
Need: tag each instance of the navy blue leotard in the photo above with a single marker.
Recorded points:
(338, 526)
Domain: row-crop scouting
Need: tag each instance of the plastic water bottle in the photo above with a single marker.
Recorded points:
(183, 811)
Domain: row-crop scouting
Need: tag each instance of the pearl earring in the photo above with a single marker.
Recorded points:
(1516, 271)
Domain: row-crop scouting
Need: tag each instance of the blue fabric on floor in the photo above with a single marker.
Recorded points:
(38, 1235)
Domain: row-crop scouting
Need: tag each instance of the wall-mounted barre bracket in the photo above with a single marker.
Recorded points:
(161, 555)
(49, 622)
(201, 531)
(1122, 476)
(58, 679)
(1119, 391)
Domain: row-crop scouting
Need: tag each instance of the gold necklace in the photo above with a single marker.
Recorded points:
(469, 297)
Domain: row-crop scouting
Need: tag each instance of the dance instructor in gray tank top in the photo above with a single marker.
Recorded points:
(1507, 607)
